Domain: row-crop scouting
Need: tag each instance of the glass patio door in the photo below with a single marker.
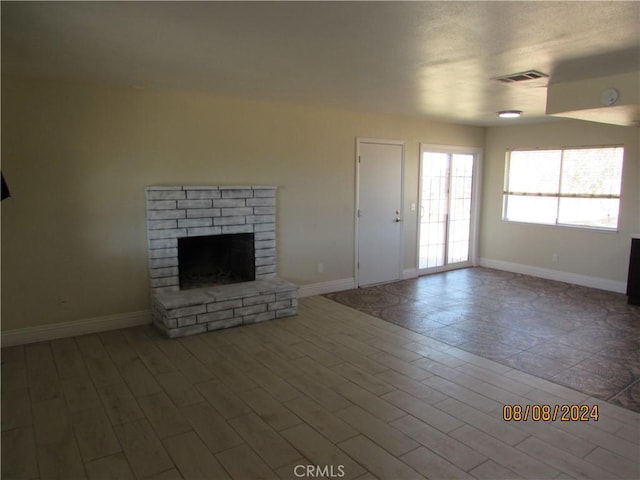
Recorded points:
(446, 209)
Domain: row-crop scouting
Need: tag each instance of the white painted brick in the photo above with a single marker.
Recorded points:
(195, 204)
(171, 322)
(200, 187)
(260, 261)
(165, 195)
(215, 316)
(264, 210)
(261, 218)
(164, 281)
(239, 193)
(217, 306)
(265, 236)
(259, 299)
(202, 194)
(163, 262)
(264, 227)
(165, 214)
(286, 312)
(265, 252)
(228, 212)
(203, 212)
(173, 288)
(229, 203)
(280, 305)
(163, 243)
(198, 231)
(186, 331)
(291, 294)
(161, 224)
(241, 312)
(163, 272)
(163, 253)
(166, 323)
(219, 325)
(187, 321)
(156, 305)
(265, 269)
(259, 317)
(186, 311)
(237, 220)
(264, 192)
(195, 222)
(170, 233)
(294, 302)
(265, 244)
(261, 202)
(161, 205)
(237, 229)
(265, 276)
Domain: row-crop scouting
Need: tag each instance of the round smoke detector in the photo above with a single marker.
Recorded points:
(609, 96)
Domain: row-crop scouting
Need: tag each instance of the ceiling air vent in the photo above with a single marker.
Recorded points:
(521, 77)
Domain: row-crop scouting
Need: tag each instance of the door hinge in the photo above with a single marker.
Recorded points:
(358, 266)
(358, 158)
(358, 213)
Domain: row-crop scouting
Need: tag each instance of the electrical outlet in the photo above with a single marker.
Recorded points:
(555, 258)
(63, 302)
(320, 268)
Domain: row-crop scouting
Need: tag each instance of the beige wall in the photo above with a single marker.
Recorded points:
(77, 159)
(584, 252)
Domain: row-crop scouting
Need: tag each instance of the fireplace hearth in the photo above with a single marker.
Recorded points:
(212, 258)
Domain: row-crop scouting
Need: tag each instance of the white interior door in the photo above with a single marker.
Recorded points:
(379, 222)
(447, 195)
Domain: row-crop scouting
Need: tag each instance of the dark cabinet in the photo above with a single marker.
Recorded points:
(633, 280)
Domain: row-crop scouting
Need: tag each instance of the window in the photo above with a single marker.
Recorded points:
(569, 186)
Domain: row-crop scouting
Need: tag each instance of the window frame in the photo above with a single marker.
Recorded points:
(558, 194)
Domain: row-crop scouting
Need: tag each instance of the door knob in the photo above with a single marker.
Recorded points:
(398, 220)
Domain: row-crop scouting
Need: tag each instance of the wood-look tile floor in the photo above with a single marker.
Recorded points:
(331, 392)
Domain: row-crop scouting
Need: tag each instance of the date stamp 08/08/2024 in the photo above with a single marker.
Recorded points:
(550, 413)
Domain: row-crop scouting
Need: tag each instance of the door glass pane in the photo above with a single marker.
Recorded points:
(460, 208)
(434, 203)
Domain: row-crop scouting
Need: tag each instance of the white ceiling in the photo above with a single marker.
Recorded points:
(428, 59)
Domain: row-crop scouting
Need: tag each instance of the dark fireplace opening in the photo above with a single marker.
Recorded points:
(216, 260)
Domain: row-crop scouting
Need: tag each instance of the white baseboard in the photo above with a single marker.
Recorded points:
(409, 273)
(574, 278)
(326, 287)
(21, 336)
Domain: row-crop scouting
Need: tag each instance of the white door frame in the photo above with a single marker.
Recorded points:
(475, 197)
(381, 141)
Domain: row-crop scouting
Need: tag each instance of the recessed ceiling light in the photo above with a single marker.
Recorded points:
(510, 113)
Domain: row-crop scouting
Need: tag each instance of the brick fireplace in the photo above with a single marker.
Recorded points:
(218, 225)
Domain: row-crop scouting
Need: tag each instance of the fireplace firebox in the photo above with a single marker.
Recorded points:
(212, 260)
